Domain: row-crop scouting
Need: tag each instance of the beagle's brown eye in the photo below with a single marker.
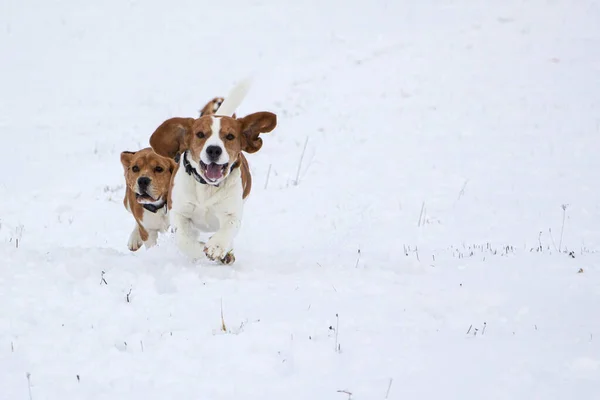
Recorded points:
(230, 137)
(158, 169)
(200, 135)
(135, 168)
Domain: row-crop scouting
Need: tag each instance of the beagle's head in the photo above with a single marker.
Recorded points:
(214, 143)
(148, 175)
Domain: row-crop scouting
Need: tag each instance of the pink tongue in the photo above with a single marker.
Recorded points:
(214, 171)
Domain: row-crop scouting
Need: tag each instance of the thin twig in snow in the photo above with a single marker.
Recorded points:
(268, 175)
(469, 329)
(421, 214)
(300, 163)
(562, 228)
(389, 387)
(337, 327)
(462, 191)
(552, 238)
(357, 259)
(28, 375)
(223, 326)
(102, 280)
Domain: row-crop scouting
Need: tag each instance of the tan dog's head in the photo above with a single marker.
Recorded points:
(148, 175)
(214, 143)
(212, 106)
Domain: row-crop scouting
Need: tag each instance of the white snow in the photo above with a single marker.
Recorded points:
(444, 138)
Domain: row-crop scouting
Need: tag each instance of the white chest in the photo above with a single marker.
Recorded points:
(156, 221)
(204, 204)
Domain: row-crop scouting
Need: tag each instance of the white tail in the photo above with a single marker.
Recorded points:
(235, 98)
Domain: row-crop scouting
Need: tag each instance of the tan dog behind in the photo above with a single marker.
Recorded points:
(148, 177)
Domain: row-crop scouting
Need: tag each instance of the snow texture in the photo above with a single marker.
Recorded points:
(424, 221)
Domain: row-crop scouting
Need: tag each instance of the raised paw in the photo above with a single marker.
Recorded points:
(228, 259)
(135, 240)
(152, 239)
(215, 252)
(218, 252)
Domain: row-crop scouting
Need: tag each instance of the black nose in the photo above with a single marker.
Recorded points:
(214, 152)
(143, 182)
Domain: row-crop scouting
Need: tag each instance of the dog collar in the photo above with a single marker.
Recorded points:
(192, 171)
(154, 208)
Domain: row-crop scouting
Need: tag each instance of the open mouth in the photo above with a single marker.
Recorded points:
(213, 171)
(144, 198)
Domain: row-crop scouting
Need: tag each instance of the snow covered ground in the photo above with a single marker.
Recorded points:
(413, 254)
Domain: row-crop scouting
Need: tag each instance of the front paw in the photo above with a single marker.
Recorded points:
(228, 259)
(216, 250)
(135, 241)
(152, 239)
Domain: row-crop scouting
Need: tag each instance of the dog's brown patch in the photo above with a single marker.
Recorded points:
(169, 138)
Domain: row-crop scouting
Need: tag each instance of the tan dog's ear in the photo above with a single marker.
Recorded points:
(172, 165)
(172, 137)
(126, 157)
(253, 125)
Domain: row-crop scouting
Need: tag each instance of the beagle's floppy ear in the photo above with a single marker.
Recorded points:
(126, 157)
(171, 138)
(172, 165)
(252, 126)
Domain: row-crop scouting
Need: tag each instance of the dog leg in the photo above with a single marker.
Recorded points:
(185, 238)
(152, 238)
(135, 239)
(219, 246)
(229, 213)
